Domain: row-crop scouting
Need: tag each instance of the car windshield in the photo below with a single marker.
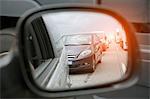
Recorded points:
(78, 40)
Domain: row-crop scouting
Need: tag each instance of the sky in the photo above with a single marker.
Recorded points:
(76, 22)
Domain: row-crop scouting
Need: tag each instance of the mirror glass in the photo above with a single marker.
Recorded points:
(76, 49)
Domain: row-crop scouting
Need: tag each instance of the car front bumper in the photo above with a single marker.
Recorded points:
(81, 66)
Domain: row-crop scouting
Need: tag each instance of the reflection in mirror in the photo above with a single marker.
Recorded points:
(89, 49)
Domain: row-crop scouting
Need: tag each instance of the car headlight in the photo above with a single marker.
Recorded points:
(84, 53)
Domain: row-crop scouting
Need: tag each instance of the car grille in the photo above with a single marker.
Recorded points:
(71, 57)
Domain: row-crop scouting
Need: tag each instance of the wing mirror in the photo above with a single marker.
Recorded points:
(75, 50)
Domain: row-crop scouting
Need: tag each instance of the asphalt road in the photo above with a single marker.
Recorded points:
(112, 68)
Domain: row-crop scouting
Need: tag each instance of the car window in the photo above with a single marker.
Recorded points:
(96, 39)
(78, 40)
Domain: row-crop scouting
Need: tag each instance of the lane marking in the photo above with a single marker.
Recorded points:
(88, 77)
(124, 69)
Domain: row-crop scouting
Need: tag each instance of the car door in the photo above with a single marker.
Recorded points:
(97, 49)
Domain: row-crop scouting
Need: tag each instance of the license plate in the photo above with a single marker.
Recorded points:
(69, 62)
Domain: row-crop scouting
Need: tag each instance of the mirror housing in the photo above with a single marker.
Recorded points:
(133, 52)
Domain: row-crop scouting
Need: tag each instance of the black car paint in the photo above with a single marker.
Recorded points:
(86, 64)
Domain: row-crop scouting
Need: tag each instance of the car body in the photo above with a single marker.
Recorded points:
(104, 41)
(83, 52)
(118, 39)
(105, 44)
(123, 45)
(16, 82)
